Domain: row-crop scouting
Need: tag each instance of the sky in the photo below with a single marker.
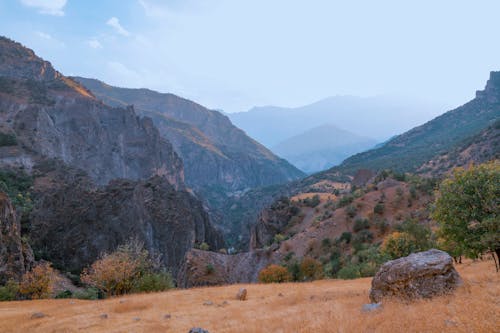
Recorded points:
(235, 54)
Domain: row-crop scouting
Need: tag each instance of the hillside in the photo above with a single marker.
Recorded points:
(321, 147)
(320, 306)
(84, 176)
(408, 151)
(216, 154)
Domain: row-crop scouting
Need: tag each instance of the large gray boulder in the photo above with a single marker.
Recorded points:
(420, 275)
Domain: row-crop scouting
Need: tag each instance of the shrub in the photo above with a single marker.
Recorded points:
(312, 202)
(361, 224)
(88, 294)
(116, 273)
(326, 243)
(204, 246)
(39, 282)
(382, 225)
(64, 294)
(9, 291)
(348, 272)
(278, 238)
(351, 211)
(397, 245)
(345, 200)
(7, 139)
(310, 269)
(209, 269)
(346, 236)
(154, 282)
(379, 208)
(274, 274)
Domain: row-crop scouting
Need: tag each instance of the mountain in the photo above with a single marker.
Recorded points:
(321, 147)
(220, 160)
(374, 117)
(408, 151)
(214, 151)
(87, 176)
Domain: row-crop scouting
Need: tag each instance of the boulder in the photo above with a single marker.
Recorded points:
(198, 330)
(242, 294)
(419, 275)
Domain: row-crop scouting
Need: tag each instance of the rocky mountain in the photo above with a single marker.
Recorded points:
(373, 117)
(217, 155)
(98, 175)
(321, 147)
(408, 151)
(16, 256)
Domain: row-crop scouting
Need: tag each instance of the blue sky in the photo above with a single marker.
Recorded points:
(234, 54)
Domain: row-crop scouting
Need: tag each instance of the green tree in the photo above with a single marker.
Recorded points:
(468, 209)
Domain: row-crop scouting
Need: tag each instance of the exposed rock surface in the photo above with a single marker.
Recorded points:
(227, 269)
(73, 223)
(420, 275)
(53, 116)
(15, 256)
(242, 294)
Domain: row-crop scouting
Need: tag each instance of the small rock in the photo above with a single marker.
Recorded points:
(280, 295)
(242, 294)
(198, 330)
(122, 301)
(208, 303)
(137, 318)
(225, 303)
(450, 322)
(104, 316)
(167, 316)
(371, 307)
(37, 315)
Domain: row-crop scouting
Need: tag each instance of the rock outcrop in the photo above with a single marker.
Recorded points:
(203, 268)
(73, 223)
(420, 275)
(55, 117)
(15, 256)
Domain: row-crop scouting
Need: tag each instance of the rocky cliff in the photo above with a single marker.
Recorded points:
(214, 151)
(101, 174)
(16, 256)
(53, 116)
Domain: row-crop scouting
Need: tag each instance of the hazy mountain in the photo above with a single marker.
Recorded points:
(408, 151)
(321, 147)
(374, 117)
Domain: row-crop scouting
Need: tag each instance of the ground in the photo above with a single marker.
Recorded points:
(320, 306)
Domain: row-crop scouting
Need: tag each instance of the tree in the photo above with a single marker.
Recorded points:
(468, 209)
(39, 282)
(274, 274)
(398, 244)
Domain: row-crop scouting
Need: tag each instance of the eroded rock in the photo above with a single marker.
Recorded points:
(419, 275)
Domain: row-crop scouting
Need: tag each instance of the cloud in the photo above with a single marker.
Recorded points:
(94, 43)
(48, 7)
(115, 24)
(43, 35)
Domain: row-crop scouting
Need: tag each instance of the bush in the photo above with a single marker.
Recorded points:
(64, 294)
(351, 211)
(310, 269)
(274, 274)
(348, 272)
(39, 282)
(209, 269)
(154, 282)
(116, 273)
(346, 236)
(360, 224)
(10, 291)
(278, 238)
(344, 201)
(88, 294)
(379, 208)
(7, 140)
(382, 225)
(398, 244)
(312, 202)
(204, 246)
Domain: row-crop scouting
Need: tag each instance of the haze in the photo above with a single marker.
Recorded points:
(233, 55)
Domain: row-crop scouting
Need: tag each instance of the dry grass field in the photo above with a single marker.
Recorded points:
(321, 306)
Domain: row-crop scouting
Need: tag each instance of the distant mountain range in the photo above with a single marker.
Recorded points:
(375, 118)
(321, 147)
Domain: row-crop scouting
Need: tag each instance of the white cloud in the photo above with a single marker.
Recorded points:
(49, 7)
(43, 35)
(94, 43)
(115, 24)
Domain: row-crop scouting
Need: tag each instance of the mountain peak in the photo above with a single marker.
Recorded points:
(492, 90)
(20, 62)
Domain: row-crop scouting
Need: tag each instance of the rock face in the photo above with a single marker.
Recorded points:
(420, 275)
(72, 223)
(15, 256)
(53, 116)
(224, 268)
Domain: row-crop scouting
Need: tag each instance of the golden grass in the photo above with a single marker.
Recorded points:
(321, 306)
